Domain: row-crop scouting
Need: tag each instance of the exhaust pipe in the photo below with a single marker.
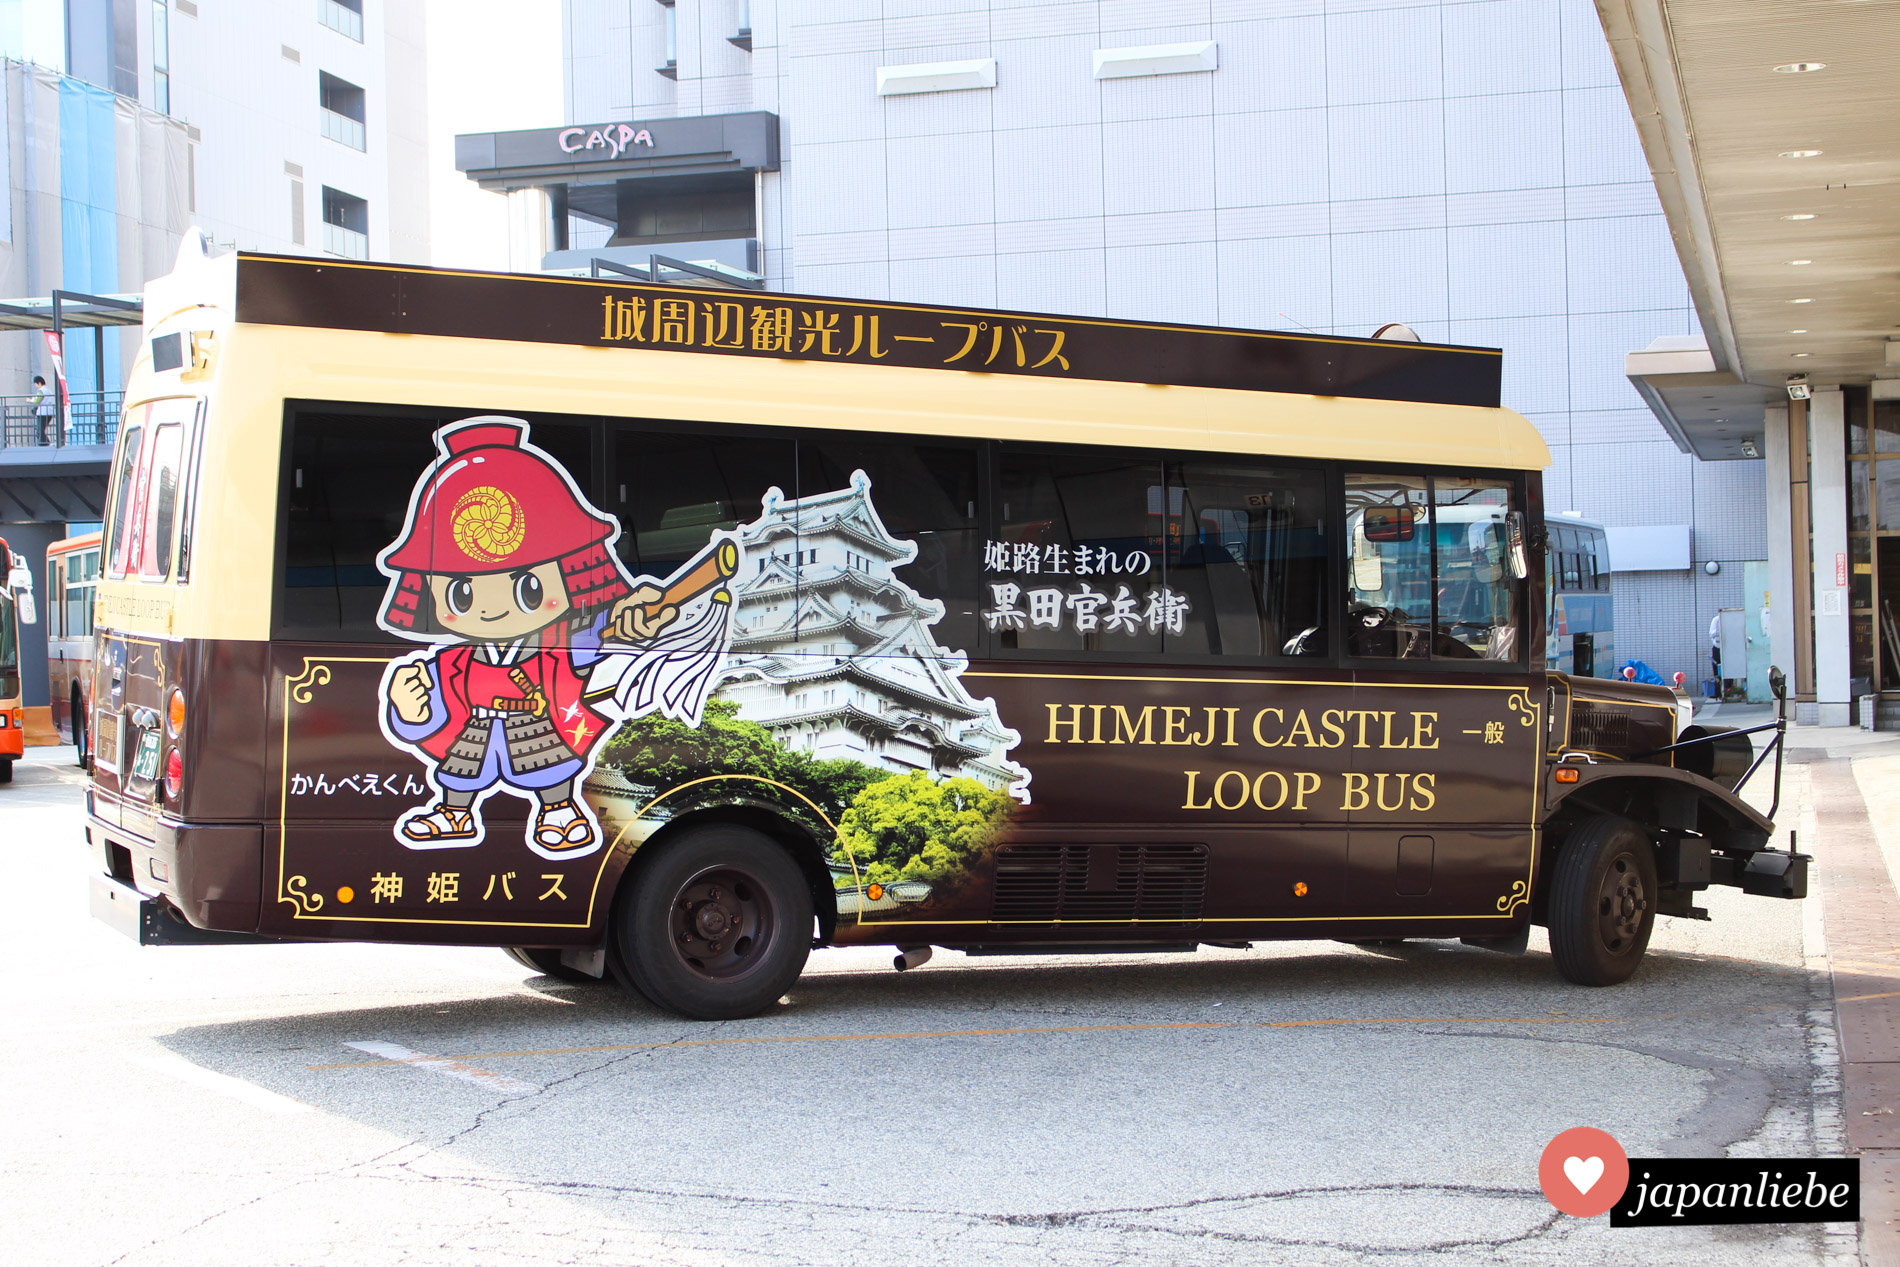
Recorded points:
(909, 957)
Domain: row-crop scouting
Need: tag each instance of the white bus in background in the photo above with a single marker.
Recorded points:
(1579, 611)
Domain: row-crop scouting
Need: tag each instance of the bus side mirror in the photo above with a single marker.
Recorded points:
(1387, 522)
(1368, 572)
(29, 614)
(1515, 546)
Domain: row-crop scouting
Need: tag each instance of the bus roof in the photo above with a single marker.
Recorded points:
(283, 291)
(67, 545)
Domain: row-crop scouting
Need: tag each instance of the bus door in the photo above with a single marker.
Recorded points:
(1441, 792)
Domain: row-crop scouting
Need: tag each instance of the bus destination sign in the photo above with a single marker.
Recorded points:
(295, 292)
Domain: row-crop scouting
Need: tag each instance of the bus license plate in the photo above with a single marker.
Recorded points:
(145, 764)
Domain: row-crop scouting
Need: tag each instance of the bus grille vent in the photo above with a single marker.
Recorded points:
(1100, 883)
(1599, 728)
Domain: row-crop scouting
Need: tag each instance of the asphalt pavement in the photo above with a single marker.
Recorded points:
(1301, 1102)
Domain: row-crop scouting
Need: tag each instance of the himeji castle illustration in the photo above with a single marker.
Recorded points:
(834, 655)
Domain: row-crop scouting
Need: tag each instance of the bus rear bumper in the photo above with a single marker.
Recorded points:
(208, 873)
(152, 921)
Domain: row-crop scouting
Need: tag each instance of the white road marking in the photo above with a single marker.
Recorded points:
(220, 1084)
(443, 1065)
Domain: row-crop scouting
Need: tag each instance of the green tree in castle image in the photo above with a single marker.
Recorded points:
(912, 827)
(664, 753)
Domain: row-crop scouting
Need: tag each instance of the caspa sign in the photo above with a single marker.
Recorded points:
(615, 138)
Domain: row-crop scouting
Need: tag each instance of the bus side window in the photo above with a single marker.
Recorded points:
(1075, 563)
(56, 602)
(1572, 579)
(922, 493)
(1600, 547)
(124, 481)
(1247, 554)
(161, 502)
(79, 572)
(1388, 567)
(673, 491)
(1477, 596)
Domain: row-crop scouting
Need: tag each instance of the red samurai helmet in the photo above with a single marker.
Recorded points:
(494, 503)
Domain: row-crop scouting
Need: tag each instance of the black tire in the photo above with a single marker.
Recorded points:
(6, 770)
(81, 740)
(717, 923)
(547, 962)
(1602, 901)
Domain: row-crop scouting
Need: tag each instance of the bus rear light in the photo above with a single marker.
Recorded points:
(175, 714)
(174, 774)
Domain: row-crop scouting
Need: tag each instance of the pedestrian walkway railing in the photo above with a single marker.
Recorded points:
(94, 417)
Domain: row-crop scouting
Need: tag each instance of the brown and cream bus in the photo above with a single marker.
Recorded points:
(664, 634)
(72, 578)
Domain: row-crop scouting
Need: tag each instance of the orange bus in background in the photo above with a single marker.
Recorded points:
(72, 580)
(12, 714)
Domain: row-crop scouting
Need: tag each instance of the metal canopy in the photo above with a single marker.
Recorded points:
(71, 308)
(1707, 411)
(1761, 162)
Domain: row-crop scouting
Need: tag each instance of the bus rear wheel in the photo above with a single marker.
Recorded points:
(1602, 901)
(717, 924)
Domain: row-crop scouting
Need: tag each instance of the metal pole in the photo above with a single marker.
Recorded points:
(99, 362)
(59, 379)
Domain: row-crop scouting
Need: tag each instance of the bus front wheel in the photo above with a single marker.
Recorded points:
(717, 924)
(1602, 901)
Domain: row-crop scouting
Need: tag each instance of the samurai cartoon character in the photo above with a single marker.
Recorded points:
(544, 645)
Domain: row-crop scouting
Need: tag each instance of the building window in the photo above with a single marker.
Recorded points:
(671, 68)
(345, 225)
(161, 58)
(342, 111)
(345, 17)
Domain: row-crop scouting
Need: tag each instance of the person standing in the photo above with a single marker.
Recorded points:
(44, 408)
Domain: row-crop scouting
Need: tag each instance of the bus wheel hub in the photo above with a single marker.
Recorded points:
(712, 920)
(1622, 904)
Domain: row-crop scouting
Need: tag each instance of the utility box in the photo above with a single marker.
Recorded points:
(1732, 637)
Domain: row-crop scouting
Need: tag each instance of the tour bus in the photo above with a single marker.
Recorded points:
(72, 577)
(661, 634)
(16, 587)
(1579, 609)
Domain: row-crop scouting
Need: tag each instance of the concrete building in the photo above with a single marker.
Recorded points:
(1470, 169)
(1770, 142)
(295, 128)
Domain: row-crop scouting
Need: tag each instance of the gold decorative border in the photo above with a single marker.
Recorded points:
(290, 892)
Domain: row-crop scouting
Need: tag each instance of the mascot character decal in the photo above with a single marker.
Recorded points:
(541, 644)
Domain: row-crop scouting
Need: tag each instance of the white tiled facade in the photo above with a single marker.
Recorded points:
(245, 77)
(1470, 169)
